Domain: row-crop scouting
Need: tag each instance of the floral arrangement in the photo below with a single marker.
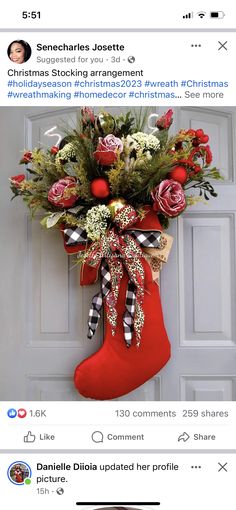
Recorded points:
(109, 160)
(103, 178)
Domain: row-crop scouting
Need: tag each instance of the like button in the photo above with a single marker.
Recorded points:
(29, 438)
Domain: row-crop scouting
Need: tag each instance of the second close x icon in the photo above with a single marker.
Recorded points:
(222, 467)
(222, 45)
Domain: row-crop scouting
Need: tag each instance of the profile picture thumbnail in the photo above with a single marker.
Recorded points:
(19, 472)
(19, 51)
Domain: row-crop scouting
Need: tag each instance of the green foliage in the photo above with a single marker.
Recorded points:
(124, 125)
(162, 137)
(84, 150)
(141, 117)
(154, 171)
(83, 182)
(213, 173)
(164, 221)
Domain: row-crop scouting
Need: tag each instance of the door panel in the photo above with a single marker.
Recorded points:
(198, 284)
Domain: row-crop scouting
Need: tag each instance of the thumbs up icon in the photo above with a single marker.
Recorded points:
(29, 438)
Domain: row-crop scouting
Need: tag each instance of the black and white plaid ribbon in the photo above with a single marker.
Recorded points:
(146, 239)
(74, 236)
(96, 306)
(128, 318)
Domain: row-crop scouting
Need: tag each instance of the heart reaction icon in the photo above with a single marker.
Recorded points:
(21, 413)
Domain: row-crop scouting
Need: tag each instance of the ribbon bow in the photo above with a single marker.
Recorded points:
(118, 250)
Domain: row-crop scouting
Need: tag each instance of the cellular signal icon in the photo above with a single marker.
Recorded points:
(188, 15)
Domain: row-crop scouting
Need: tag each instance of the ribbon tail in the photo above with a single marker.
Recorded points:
(94, 314)
(128, 317)
(138, 321)
(95, 310)
(115, 275)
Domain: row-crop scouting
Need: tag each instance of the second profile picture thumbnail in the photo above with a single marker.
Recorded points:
(19, 473)
(19, 51)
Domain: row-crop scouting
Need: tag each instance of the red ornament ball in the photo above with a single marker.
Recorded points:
(100, 188)
(54, 149)
(179, 174)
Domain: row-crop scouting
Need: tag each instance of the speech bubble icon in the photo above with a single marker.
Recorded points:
(97, 436)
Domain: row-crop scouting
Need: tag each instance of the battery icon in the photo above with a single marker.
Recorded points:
(217, 14)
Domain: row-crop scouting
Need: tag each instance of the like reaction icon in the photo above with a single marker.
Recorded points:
(12, 413)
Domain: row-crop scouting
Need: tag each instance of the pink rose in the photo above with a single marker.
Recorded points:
(63, 193)
(165, 121)
(169, 198)
(107, 150)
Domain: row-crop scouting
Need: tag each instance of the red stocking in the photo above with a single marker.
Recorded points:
(115, 370)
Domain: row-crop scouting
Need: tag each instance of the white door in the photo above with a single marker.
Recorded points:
(44, 309)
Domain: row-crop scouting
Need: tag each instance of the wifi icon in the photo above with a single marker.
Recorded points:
(201, 14)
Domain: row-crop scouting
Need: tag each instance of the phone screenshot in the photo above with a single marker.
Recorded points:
(118, 255)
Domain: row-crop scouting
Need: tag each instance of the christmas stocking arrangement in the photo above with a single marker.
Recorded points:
(134, 348)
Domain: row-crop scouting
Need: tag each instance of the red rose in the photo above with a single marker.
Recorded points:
(107, 150)
(17, 179)
(63, 193)
(27, 157)
(169, 198)
(165, 121)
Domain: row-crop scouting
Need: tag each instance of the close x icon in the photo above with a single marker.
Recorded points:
(223, 45)
(222, 467)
